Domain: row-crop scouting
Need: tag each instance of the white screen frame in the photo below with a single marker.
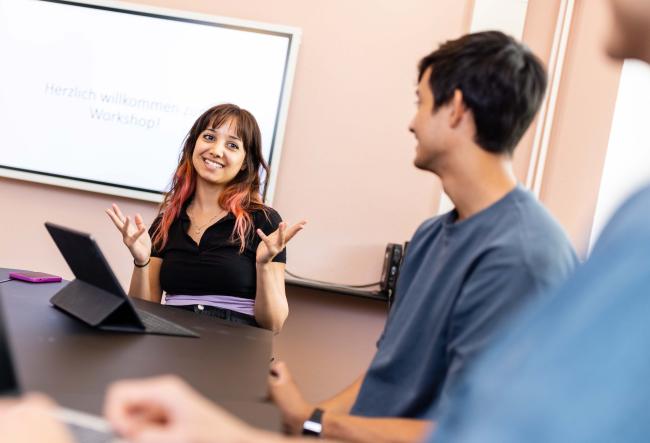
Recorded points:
(293, 34)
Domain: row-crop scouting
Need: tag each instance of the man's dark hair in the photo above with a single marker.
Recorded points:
(502, 82)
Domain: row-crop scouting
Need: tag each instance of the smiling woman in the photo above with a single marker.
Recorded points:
(214, 247)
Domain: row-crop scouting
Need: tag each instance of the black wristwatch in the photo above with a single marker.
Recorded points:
(313, 425)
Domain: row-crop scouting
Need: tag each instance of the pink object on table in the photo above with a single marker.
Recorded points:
(34, 277)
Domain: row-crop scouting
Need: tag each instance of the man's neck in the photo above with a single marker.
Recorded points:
(478, 182)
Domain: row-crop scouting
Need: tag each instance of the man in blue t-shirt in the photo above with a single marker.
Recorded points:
(464, 273)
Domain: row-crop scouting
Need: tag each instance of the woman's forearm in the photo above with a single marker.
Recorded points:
(271, 307)
(144, 281)
(140, 283)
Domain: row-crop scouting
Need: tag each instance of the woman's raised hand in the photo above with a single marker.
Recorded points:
(272, 244)
(135, 235)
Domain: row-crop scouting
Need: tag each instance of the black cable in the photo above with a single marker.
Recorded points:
(5, 281)
(329, 283)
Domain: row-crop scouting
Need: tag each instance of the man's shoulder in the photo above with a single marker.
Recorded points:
(517, 215)
(532, 239)
(536, 225)
(532, 212)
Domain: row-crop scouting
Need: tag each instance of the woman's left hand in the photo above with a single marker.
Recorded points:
(272, 244)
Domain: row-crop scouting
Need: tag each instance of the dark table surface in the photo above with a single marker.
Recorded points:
(74, 363)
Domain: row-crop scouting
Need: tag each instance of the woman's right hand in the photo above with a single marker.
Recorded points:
(135, 236)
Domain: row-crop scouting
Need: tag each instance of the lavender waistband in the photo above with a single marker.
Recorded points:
(237, 304)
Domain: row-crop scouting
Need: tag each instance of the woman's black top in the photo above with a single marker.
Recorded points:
(214, 266)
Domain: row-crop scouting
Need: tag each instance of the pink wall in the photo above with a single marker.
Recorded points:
(538, 35)
(582, 123)
(346, 167)
(347, 161)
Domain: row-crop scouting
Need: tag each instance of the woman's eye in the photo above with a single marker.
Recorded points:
(208, 137)
(233, 146)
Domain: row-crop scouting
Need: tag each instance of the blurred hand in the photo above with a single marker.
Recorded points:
(135, 235)
(31, 419)
(285, 394)
(166, 409)
(272, 244)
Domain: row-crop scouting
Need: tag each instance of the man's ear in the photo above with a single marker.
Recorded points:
(458, 109)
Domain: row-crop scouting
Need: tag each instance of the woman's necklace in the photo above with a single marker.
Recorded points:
(199, 229)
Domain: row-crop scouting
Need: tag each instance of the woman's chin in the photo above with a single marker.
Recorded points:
(212, 178)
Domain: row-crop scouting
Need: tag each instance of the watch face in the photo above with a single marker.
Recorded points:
(313, 426)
